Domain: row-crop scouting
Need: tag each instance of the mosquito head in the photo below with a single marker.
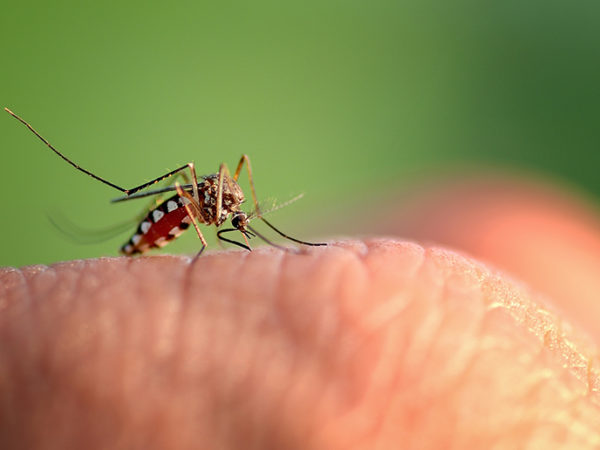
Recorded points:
(240, 220)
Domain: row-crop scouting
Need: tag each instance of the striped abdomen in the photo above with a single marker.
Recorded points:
(163, 224)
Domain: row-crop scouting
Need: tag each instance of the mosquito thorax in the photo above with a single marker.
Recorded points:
(208, 189)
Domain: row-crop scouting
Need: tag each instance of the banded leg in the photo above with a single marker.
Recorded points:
(158, 199)
(189, 166)
(239, 244)
(192, 215)
(103, 180)
(236, 176)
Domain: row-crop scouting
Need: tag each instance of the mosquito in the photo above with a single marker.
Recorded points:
(209, 200)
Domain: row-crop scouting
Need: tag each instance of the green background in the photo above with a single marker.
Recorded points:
(337, 99)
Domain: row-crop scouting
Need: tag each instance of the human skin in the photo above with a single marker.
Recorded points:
(376, 344)
(542, 234)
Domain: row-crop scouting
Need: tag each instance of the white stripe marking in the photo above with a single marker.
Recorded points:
(172, 206)
(136, 239)
(157, 215)
(145, 226)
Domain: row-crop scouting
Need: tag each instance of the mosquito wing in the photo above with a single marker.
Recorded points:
(82, 235)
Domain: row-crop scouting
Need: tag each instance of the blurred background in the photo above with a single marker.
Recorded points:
(347, 102)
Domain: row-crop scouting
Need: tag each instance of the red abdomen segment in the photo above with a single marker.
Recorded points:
(163, 224)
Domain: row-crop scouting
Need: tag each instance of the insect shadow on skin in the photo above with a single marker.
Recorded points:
(209, 200)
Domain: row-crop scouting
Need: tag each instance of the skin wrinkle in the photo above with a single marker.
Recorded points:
(279, 404)
(288, 402)
(480, 277)
(171, 306)
(383, 320)
(43, 278)
(9, 421)
(338, 373)
(344, 365)
(237, 373)
(292, 402)
(39, 353)
(287, 364)
(309, 352)
(430, 328)
(125, 327)
(9, 283)
(186, 290)
(60, 310)
(277, 397)
(100, 339)
(266, 317)
(433, 393)
(419, 344)
(459, 358)
(385, 313)
(419, 354)
(208, 309)
(368, 335)
(456, 358)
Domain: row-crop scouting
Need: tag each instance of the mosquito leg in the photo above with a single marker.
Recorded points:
(219, 239)
(103, 180)
(239, 244)
(282, 234)
(72, 163)
(236, 175)
(246, 239)
(192, 215)
(87, 172)
(194, 182)
(155, 201)
(162, 177)
(274, 244)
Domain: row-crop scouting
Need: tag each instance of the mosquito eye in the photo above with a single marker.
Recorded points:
(239, 220)
(235, 221)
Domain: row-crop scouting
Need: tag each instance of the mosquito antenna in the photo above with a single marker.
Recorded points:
(81, 169)
(280, 233)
